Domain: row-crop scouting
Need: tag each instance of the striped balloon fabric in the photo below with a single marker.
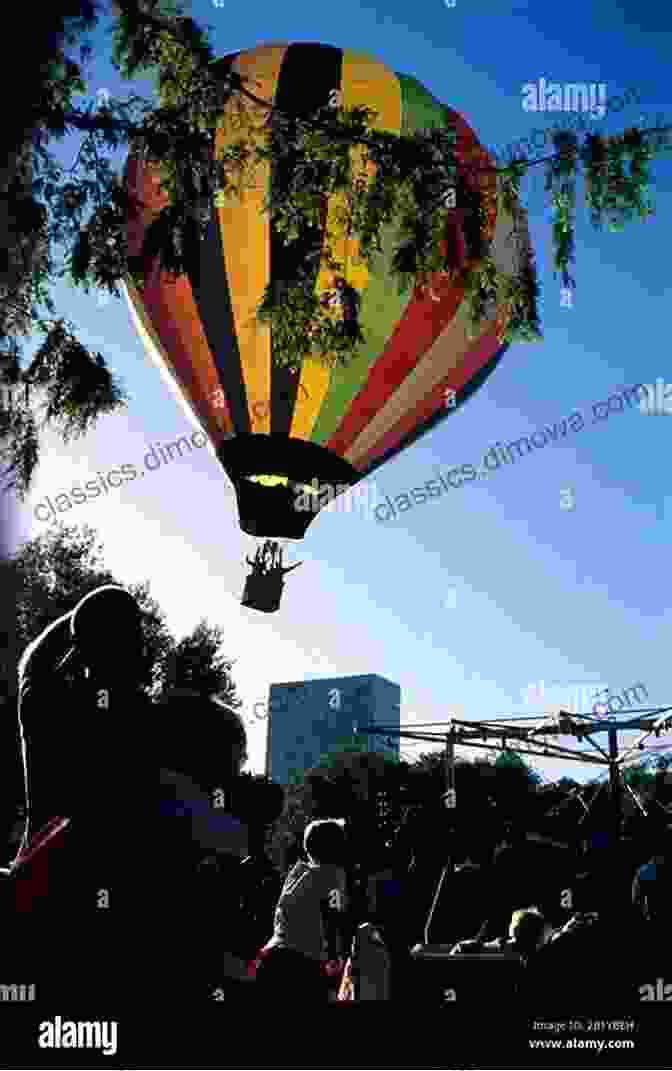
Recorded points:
(336, 425)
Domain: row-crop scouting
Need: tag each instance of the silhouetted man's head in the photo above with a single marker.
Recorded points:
(324, 841)
(82, 732)
(107, 630)
(529, 929)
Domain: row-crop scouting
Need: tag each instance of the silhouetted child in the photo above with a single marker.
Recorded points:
(310, 923)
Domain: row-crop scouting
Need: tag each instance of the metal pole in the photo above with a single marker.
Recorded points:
(450, 761)
(450, 798)
(614, 784)
(449, 803)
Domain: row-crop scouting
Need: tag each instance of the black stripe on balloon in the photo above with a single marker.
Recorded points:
(209, 283)
(308, 74)
(461, 396)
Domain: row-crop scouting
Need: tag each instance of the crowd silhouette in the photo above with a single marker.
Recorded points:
(96, 873)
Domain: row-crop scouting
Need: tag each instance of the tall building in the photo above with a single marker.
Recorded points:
(308, 720)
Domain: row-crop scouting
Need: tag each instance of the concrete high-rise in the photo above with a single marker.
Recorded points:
(309, 720)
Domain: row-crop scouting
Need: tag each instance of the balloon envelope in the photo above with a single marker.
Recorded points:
(330, 425)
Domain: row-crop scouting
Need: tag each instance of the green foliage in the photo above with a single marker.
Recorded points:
(511, 760)
(561, 180)
(78, 389)
(195, 662)
(43, 84)
(639, 776)
(157, 37)
(609, 189)
(522, 295)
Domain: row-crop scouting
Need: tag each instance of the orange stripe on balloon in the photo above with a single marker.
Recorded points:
(155, 349)
(169, 304)
(165, 311)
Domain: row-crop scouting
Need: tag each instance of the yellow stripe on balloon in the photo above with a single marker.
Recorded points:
(364, 82)
(245, 229)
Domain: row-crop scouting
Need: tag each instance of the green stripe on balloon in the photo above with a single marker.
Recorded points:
(421, 110)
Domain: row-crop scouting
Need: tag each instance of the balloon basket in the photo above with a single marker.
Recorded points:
(263, 593)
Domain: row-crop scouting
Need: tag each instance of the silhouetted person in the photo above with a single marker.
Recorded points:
(651, 895)
(77, 881)
(519, 876)
(107, 878)
(201, 750)
(262, 560)
(277, 568)
(311, 922)
(601, 930)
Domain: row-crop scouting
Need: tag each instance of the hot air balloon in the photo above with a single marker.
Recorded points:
(278, 432)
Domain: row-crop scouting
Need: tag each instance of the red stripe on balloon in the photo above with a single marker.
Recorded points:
(420, 326)
(160, 299)
(477, 357)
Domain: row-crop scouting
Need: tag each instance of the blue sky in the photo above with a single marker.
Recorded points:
(467, 599)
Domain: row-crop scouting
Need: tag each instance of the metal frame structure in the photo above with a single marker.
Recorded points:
(650, 721)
